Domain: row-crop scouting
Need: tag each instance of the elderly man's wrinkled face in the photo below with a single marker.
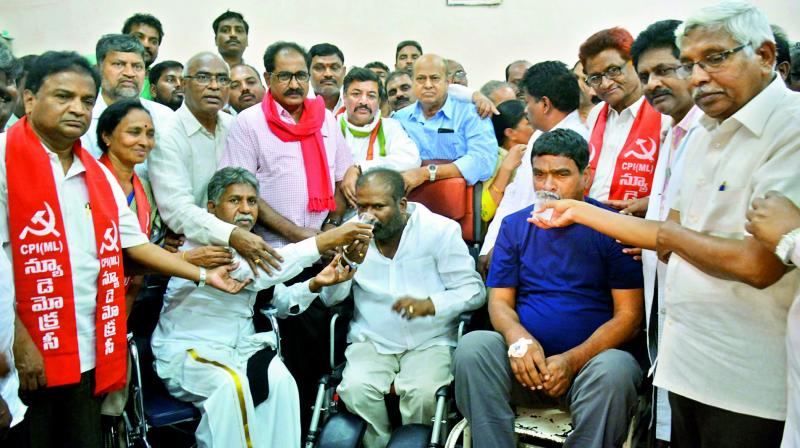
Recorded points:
(231, 37)
(362, 102)
(406, 58)
(148, 36)
(327, 74)
(62, 108)
(559, 174)
(400, 92)
(246, 88)
(286, 88)
(663, 88)
(728, 82)
(238, 205)
(613, 78)
(206, 84)
(8, 97)
(430, 82)
(168, 90)
(123, 75)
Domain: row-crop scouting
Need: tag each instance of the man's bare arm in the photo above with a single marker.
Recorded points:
(274, 221)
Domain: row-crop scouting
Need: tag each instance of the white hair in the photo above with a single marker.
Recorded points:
(744, 22)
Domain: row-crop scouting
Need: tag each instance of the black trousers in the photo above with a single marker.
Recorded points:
(697, 425)
(63, 416)
(305, 342)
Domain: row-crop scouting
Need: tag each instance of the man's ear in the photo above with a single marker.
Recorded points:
(547, 105)
(266, 79)
(153, 90)
(783, 69)
(211, 206)
(29, 99)
(767, 52)
(403, 204)
(586, 176)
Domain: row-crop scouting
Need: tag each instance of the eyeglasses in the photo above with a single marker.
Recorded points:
(612, 72)
(710, 63)
(661, 71)
(286, 77)
(459, 74)
(204, 79)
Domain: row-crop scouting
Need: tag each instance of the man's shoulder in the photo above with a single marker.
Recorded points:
(157, 109)
(248, 118)
(433, 222)
(404, 114)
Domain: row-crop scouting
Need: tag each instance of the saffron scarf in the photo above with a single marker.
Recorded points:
(308, 132)
(42, 268)
(376, 133)
(636, 163)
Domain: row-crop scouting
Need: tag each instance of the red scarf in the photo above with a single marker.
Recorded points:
(307, 132)
(42, 269)
(636, 163)
(142, 204)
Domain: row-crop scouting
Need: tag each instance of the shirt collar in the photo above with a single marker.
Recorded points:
(447, 110)
(283, 113)
(756, 112)
(633, 109)
(192, 125)
(690, 119)
(100, 105)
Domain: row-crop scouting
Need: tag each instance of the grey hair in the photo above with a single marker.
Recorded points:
(9, 65)
(493, 85)
(744, 22)
(122, 43)
(226, 177)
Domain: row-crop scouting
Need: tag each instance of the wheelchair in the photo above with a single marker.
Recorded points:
(150, 406)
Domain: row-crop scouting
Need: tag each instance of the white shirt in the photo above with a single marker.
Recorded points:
(791, 433)
(618, 126)
(432, 261)
(9, 384)
(73, 197)
(161, 115)
(520, 193)
(180, 169)
(724, 341)
(401, 152)
(193, 316)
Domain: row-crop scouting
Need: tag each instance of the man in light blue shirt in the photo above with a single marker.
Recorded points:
(445, 129)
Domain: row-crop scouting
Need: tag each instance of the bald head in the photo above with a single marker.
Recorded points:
(431, 62)
(430, 83)
(206, 81)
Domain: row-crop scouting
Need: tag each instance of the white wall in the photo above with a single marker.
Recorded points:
(483, 39)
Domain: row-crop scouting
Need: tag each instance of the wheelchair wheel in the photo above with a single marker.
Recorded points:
(461, 427)
(342, 430)
(115, 432)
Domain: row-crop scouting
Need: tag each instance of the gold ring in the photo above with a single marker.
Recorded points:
(361, 254)
(411, 309)
(257, 261)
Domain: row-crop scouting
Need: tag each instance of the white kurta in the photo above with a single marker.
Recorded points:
(9, 384)
(203, 341)
(791, 433)
(520, 193)
(655, 271)
(401, 152)
(724, 342)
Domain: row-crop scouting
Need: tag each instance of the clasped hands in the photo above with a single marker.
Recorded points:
(552, 375)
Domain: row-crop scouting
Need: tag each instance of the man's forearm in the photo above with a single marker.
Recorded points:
(274, 221)
(446, 171)
(156, 259)
(504, 318)
(746, 260)
(341, 204)
(612, 334)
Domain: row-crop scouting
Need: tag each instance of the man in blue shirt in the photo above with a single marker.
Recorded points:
(445, 129)
(562, 304)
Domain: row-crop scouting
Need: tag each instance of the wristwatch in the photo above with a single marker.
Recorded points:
(786, 245)
(331, 221)
(432, 172)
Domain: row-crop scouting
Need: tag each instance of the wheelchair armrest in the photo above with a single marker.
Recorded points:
(271, 313)
(464, 320)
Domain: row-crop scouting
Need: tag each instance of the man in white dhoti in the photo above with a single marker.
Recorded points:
(205, 346)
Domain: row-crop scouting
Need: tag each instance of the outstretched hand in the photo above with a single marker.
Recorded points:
(332, 274)
(563, 214)
(221, 279)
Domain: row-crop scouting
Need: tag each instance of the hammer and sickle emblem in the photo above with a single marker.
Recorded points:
(645, 154)
(591, 152)
(110, 239)
(46, 225)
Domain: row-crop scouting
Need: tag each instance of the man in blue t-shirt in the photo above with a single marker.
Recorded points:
(563, 302)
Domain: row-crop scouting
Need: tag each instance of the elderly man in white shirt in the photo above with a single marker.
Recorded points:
(552, 95)
(722, 356)
(11, 408)
(120, 61)
(413, 281)
(373, 140)
(191, 147)
(206, 348)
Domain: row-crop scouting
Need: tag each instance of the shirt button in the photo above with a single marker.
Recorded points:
(701, 182)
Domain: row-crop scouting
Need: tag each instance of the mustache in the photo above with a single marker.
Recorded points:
(366, 108)
(288, 92)
(400, 99)
(698, 92)
(661, 91)
(232, 39)
(243, 217)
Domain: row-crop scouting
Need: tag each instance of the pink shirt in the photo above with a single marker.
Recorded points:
(279, 167)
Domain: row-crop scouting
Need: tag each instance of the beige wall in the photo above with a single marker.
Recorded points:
(483, 39)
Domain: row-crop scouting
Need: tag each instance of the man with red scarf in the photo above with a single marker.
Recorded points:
(65, 223)
(295, 148)
(625, 129)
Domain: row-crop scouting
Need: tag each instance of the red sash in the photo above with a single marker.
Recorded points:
(42, 269)
(142, 204)
(636, 163)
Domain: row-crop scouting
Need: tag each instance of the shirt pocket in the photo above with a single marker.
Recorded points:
(449, 145)
(418, 277)
(727, 209)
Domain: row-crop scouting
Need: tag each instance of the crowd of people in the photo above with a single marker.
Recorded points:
(641, 220)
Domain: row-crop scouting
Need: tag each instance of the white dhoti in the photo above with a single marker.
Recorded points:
(215, 380)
